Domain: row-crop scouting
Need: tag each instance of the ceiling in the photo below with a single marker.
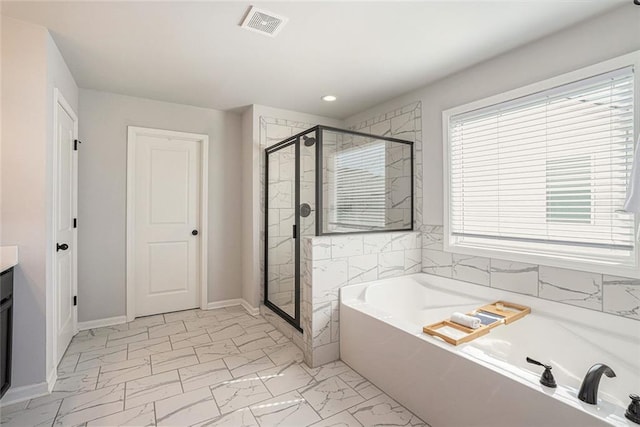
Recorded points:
(363, 52)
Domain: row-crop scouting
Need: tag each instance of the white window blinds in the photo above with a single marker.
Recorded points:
(360, 186)
(547, 171)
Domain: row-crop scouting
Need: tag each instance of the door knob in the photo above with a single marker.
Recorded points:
(194, 232)
(61, 247)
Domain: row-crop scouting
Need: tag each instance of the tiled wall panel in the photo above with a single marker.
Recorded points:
(614, 295)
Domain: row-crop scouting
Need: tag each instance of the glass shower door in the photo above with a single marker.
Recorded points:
(281, 254)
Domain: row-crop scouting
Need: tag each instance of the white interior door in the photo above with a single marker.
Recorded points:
(166, 226)
(65, 206)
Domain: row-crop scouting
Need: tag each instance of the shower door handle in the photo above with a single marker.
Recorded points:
(294, 231)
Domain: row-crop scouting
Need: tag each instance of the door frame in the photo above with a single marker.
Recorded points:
(59, 100)
(132, 133)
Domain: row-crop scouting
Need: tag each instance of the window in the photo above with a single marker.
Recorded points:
(360, 186)
(543, 173)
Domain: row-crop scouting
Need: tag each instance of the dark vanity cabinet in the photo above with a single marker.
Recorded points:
(6, 329)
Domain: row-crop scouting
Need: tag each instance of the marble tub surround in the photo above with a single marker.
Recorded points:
(226, 368)
(601, 292)
(331, 262)
(8, 257)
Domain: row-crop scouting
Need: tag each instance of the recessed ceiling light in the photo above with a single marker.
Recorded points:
(329, 98)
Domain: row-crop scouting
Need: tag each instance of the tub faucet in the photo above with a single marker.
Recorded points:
(589, 388)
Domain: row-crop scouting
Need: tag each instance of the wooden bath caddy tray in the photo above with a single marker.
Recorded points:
(491, 315)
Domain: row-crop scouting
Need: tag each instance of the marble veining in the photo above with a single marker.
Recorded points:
(610, 294)
(272, 386)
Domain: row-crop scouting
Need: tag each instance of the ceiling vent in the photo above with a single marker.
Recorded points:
(263, 22)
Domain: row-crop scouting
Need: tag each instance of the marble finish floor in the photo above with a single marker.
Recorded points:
(219, 367)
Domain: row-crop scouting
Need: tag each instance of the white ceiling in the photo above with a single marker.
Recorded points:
(363, 52)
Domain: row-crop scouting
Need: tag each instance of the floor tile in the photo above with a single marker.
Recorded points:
(186, 409)
(166, 329)
(94, 358)
(141, 416)
(360, 384)
(240, 418)
(260, 327)
(163, 362)
(190, 339)
(107, 330)
(180, 315)
(199, 323)
(149, 347)
(246, 338)
(121, 372)
(331, 396)
(13, 407)
(77, 381)
(225, 332)
(204, 375)
(87, 344)
(43, 415)
(382, 410)
(283, 379)
(147, 321)
(247, 363)
(239, 393)
(149, 389)
(283, 354)
(215, 351)
(343, 419)
(328, 370)
(289, 409)
(68, 363)
(92, 405)
(128, 336)
(219, 367)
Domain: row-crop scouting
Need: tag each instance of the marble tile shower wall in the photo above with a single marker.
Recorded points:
(402, 123)
(331, 262)
(610, 294)
(281, 276)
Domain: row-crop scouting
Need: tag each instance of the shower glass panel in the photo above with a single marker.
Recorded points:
(367, 183)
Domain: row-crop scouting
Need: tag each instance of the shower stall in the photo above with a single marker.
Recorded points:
(328, 181)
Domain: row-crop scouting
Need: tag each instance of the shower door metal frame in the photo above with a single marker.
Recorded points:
(294, 140)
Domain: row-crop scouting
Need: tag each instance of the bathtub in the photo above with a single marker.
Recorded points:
(487, 381)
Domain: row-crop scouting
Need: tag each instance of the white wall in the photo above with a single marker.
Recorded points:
(251, 197)
(102, 195)
(592, 41)
(31, 68)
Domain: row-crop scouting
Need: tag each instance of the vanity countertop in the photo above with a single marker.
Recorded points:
(8, 257)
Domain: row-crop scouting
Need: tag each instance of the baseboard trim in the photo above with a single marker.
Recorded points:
(20, 394)
(254, 311)
(51, 379)
(101, 323)
(233, 302)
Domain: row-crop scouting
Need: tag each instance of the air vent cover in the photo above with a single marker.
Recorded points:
(263, 22)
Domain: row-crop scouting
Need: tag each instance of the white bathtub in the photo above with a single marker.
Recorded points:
(486, 382)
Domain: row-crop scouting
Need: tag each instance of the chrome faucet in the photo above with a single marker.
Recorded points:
(589, 389)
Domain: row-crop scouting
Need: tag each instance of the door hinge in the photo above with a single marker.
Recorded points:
(75, 300)
(75, 222)
(75, 144)
(294, 231)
